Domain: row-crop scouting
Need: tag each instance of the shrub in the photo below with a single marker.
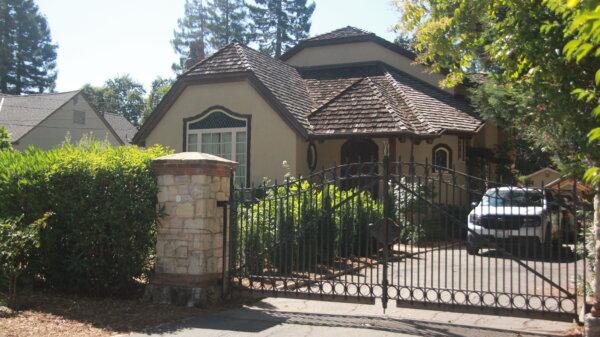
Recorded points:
(104, 203)
(298, 225)
(18, 243)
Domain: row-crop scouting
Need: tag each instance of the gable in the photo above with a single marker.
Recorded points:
(67, 120)
(359, 52)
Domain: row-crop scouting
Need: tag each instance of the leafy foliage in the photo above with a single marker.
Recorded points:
(103, 201)
(158, 89)
(27, 54)
(518, 45)
(19, 244)
(5, 142)
(280, 24)
(121, 95)
(227, 22)
(191, 30)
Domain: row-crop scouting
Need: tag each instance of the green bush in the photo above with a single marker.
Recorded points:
(296, 226)
(103, 201)
(18, 243)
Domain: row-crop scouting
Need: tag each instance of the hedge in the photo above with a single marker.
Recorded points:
(100, 235)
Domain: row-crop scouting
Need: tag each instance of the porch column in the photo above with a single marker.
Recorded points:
(189, 248)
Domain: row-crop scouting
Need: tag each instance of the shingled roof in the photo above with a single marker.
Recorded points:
(122, 127)
(280, 79)
(369, 98)
(346, 34)
(20, 114)
(377, 99)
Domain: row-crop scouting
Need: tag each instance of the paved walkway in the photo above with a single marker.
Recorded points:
(290, 317)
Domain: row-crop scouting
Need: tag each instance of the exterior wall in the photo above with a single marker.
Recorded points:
(543, 177)
(362, 52)
(272, 141)
(329, 151)
(52, 131)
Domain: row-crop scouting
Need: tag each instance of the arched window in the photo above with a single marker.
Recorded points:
(442, 156)
(222, 133)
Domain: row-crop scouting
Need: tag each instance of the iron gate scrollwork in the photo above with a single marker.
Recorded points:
(413, 233)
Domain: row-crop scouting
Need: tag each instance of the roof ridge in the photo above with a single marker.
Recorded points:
(41, 94)
(394, 113)
(336, 96)
(406, 100)
(239, 48)
(213, 55)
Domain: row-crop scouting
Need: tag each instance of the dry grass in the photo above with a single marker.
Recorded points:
(54, 315)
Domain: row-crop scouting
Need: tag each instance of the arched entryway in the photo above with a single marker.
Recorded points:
(359, 151)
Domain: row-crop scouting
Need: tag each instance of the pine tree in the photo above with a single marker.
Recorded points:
(27, 54)
(227, 22)
(191, 30)
(279, 24)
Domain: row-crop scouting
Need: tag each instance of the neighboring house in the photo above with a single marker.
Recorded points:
(339, 97)
(541, 177)
(122, 127)
(45, 120)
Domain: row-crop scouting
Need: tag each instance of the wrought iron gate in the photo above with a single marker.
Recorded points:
(416, 234)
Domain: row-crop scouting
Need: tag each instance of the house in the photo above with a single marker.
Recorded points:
(344, 96)
(122, 127)
(541, 177)
(46, 120)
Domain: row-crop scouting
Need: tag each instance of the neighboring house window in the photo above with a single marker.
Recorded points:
(221, 134)
(442, 156)
(79, 117)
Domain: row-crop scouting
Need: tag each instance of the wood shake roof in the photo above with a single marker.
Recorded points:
(369, 98)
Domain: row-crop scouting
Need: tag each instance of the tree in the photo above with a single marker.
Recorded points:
(517, 44)
(279, 24)
(191, 29)
(227, 22)
(27, 54)
(545, 52)
(5, 142)
(121, 95)
(159, 88)
(583, 20)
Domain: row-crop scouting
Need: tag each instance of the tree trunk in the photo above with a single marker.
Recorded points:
(596, 237)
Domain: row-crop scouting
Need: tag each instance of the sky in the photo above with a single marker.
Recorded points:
(100, 39)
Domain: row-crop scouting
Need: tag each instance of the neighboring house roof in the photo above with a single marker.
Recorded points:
(20, 114)
(368, 98)
(542, 171)
(347, 34)
(123, 128)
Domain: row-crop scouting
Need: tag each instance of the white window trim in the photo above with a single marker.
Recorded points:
(233, 131)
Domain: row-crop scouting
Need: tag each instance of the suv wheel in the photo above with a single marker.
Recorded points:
(472, 247)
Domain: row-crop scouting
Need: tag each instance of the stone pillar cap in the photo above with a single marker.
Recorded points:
(193, 158)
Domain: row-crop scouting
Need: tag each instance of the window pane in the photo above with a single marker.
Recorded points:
(226, 137)
(192, 142)
(441, 158)
(240, 137)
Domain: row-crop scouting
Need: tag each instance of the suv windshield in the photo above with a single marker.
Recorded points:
(518, 198)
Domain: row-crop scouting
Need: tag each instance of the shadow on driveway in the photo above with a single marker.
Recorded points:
(261, 322)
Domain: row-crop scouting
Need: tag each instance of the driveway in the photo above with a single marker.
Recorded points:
(292, 317)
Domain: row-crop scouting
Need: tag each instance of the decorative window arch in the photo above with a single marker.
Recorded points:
(441, 156)
(223, 133)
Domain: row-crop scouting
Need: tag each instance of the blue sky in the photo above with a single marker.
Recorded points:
(99, 39)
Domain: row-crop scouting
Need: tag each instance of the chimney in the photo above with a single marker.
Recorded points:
(196, 54)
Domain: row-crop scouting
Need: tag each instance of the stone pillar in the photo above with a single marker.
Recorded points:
(189, 247)
(592, 320)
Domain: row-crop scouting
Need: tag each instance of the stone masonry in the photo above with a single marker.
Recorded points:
(189, 247)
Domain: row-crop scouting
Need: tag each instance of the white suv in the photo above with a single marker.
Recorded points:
(516, 213)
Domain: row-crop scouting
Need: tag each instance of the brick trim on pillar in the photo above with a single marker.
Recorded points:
(189, 247)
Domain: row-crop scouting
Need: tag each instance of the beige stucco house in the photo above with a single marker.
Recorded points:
(341, 97)
(46, 120)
